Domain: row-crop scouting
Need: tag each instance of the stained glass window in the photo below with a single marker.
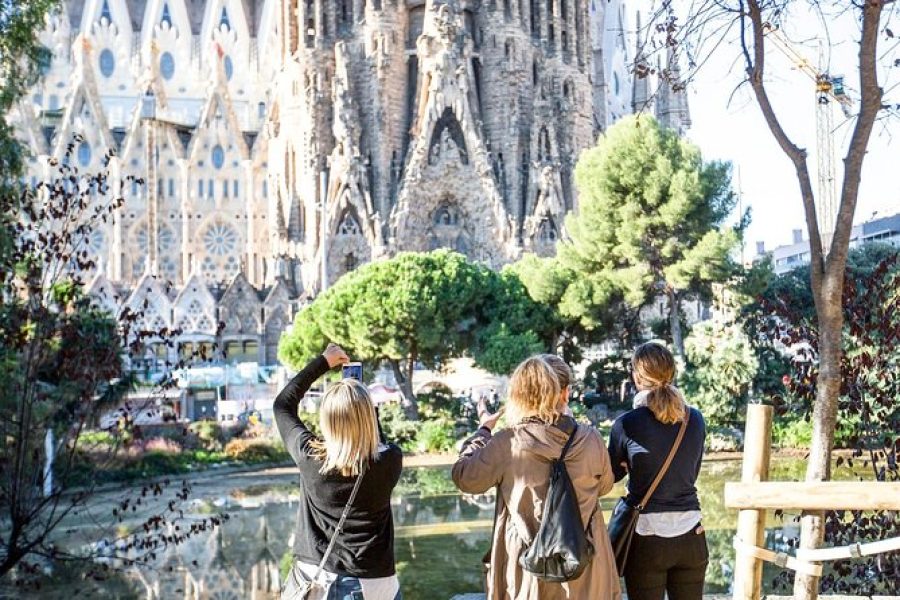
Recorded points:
(107, 63)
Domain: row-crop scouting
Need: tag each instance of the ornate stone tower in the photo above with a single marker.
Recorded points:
(410, 125)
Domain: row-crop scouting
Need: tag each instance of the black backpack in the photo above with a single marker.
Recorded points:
(561, 550)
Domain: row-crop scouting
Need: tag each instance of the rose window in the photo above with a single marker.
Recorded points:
(220, 239)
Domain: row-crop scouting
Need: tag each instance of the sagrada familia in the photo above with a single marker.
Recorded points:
(283, 143)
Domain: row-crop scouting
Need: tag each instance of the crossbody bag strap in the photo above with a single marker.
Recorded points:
(339, 527)
(669, 458)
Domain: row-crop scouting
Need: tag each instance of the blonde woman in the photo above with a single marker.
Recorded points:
(517, 461)
(350, 449)
(668, 553)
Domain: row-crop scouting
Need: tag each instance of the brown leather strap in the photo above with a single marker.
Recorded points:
(665, 467)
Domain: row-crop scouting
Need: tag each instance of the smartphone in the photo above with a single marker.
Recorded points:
(352, 370)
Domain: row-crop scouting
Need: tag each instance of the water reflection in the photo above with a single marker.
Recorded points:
(441, 537)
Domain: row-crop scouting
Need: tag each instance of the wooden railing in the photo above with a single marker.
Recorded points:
(754, 495)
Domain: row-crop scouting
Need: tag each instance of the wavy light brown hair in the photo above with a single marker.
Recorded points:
(349, 429)
(654, 369)
(534, 391)
(562, 370)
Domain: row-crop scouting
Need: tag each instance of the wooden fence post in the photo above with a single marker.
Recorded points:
(752, 523)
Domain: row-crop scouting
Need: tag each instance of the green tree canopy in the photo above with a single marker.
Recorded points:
(423, 307)
(650, 222)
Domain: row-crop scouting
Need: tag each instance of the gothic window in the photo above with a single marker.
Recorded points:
(350, 263)
(199, 188)
(261, 110)
(225, 188)
(105, 13)
(220, 239)
(84, 154)
(507, 12)
(534, 73)
(229, 68)
(171, 188)
(166, 17)
(544, 145)
(223, 21)
(234, 188)
(349, 225)
(165, 239)
(167, 65)
(168, 267)
(107, 63)
(616, 84)
(461, 245)
(95, 242)
(218, 156)
(210, 188)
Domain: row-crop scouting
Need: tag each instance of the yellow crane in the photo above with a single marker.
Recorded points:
(829, 91)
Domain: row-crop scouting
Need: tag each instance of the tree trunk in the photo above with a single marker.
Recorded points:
(407, 397)
(675, 322)
(828, 388)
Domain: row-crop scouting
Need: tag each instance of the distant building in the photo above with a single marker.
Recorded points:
(885, 230)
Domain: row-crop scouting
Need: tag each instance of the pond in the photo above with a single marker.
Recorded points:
(441, 536)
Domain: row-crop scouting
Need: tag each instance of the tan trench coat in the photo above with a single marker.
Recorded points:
(517, 460)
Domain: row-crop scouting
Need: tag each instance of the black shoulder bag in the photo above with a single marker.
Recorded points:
(625, 517)
(561, 549)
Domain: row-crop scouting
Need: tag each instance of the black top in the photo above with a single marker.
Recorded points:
(643, 443)
(366, 546)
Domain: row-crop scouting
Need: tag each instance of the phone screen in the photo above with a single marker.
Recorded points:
(352, 370)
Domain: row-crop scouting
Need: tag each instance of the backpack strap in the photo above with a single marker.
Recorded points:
(665, 467)
(562, 455)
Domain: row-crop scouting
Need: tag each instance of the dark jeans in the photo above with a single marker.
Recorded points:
(657, 565)
(348, 588)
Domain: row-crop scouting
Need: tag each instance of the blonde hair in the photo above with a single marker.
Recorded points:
(654, 368)
(534, 391)
(349, 429)
(562, 370)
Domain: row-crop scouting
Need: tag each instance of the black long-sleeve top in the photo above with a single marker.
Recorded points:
(365, 548)
(642, 442)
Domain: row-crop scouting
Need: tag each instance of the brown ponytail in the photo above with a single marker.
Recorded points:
(654, 368)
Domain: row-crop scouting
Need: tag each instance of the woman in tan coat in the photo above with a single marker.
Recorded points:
(517, 461)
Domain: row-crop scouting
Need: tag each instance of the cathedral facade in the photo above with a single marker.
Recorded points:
(282, 143)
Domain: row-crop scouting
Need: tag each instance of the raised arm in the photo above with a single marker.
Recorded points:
(295, 434)
(482, 458)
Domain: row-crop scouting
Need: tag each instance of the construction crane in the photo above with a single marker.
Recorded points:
(829, 90)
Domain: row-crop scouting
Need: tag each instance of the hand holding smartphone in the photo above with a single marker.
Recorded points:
(352, 370)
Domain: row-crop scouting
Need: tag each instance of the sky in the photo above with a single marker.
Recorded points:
(728, 125)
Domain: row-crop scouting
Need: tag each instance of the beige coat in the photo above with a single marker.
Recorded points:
(517, 460)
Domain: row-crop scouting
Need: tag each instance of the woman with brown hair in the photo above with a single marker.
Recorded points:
(668, 553)
(517, 462)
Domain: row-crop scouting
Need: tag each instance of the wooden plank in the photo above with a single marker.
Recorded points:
(752, 523)
(814, 495)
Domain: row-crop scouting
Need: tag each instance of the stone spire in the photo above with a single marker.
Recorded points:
(672, 109)
(640, 95)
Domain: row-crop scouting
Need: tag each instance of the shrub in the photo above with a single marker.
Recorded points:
(397, 428)
(796, 433)
(255, 451)
(719, 372)
(164, 445)
(436, 435)
(209, 433)
(438, 401)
